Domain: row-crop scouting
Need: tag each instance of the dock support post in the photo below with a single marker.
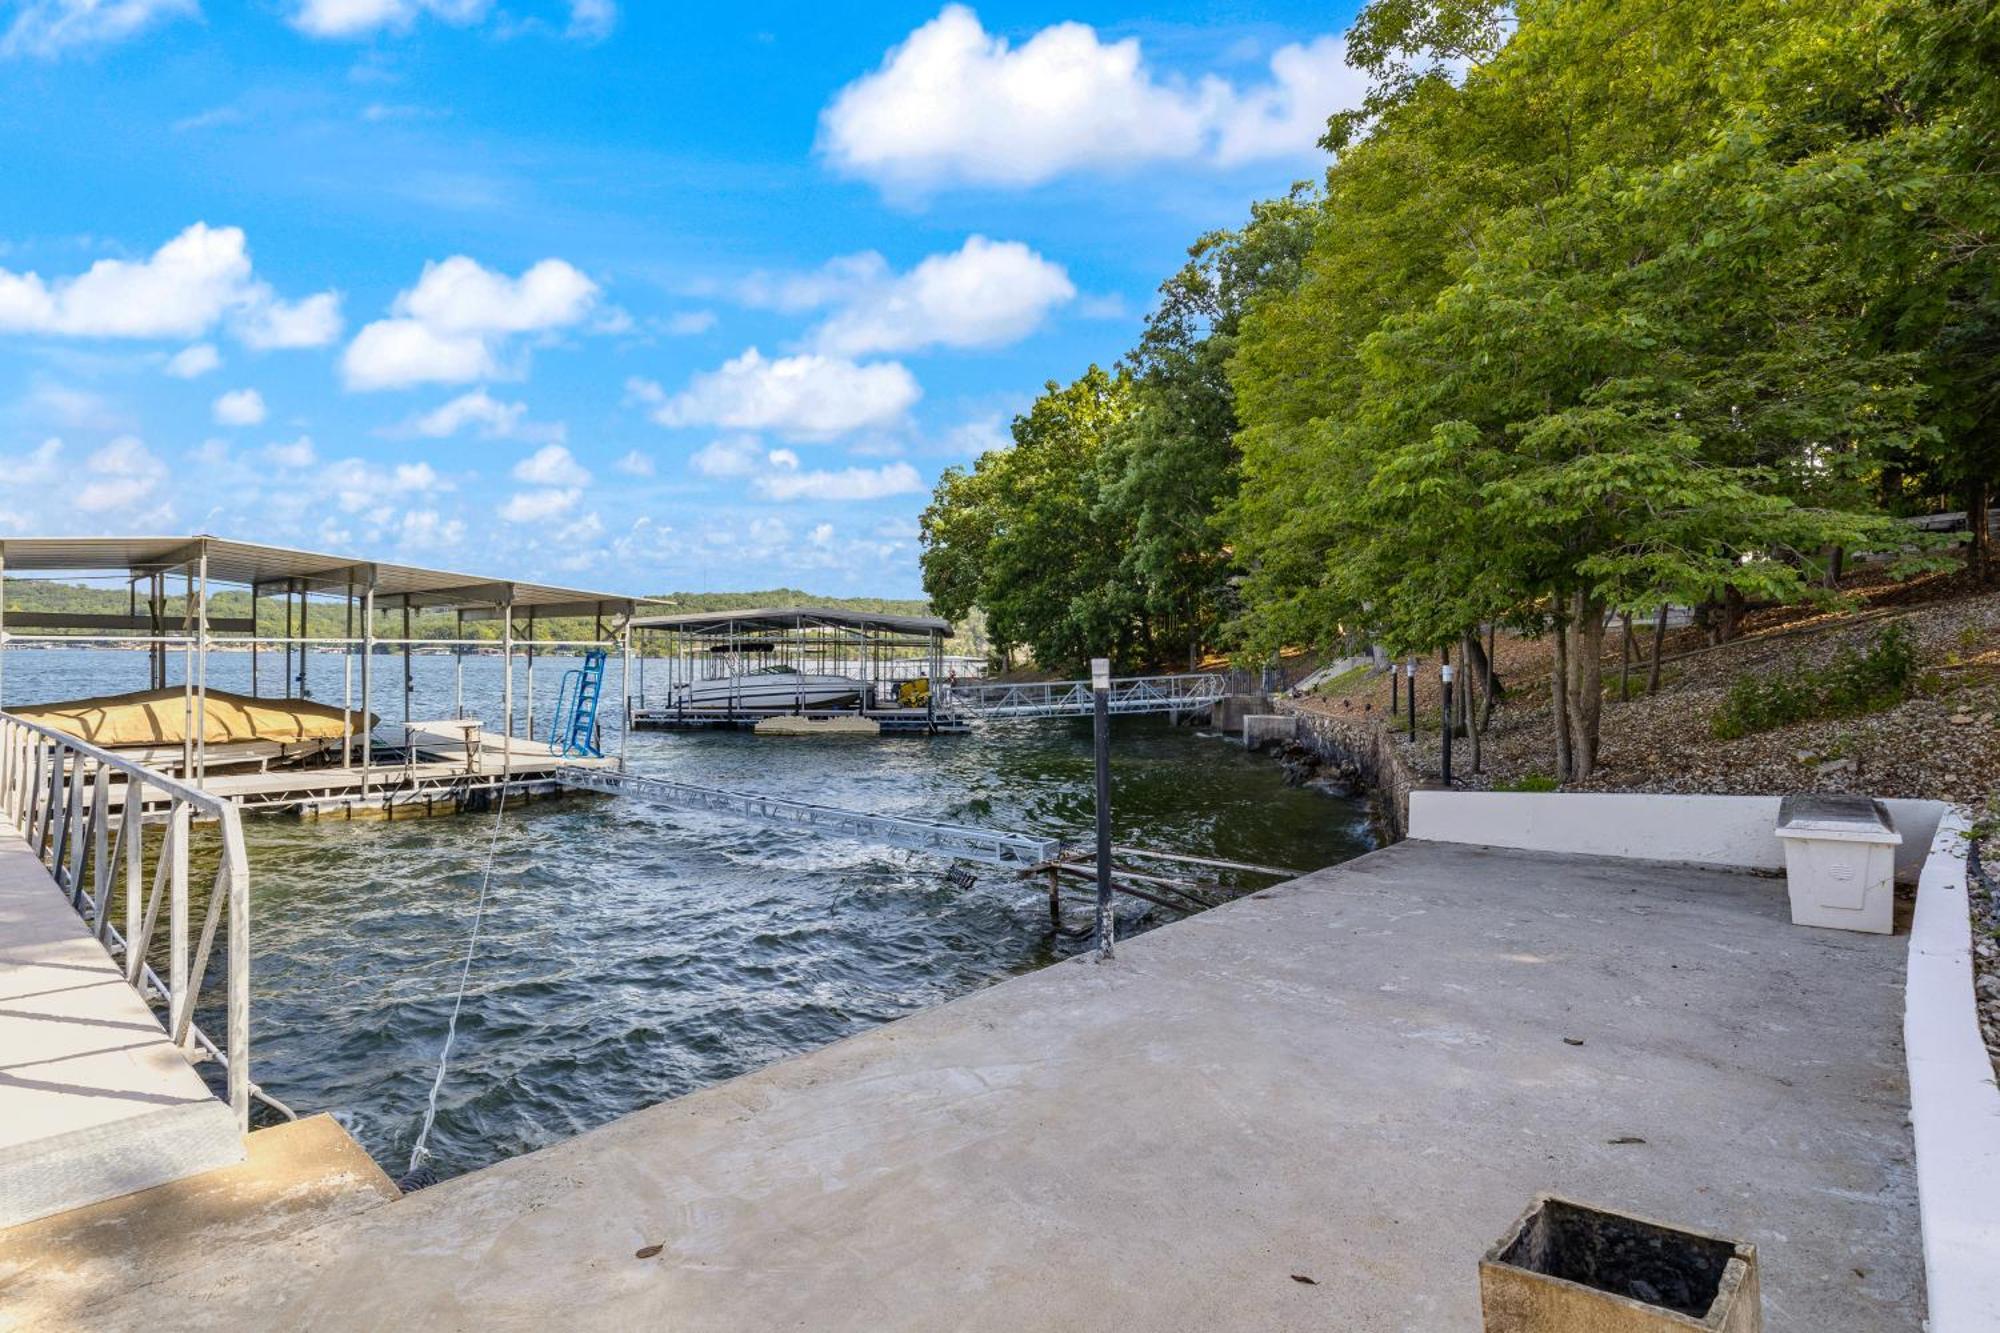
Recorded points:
(176, 850)
(529, 710)
(625, 686)
(347, 679)
(507, 693)
(458, 668)
(408, 684)
(201, 685)
(367, 681)
(305, 644)
(1100, 690)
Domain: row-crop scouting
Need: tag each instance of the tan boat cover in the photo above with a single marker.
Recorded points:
(159, 717)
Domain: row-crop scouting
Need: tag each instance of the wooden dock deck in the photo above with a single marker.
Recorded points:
(434, 779)
(95, 1102)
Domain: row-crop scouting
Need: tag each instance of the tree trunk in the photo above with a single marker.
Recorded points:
(1587, 685)
(1625, 661)
(1469, 712)
(1659, 646)
(1732, 613)
(1492, 683)
(1975, 518)
(1559, 686)
(1478, 664)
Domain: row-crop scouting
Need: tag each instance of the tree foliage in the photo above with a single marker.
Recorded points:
(1601, 304)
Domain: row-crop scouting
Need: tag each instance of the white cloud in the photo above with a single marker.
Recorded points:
(588, 19)
(591, 19)
(731, 456)
(635, 464)
(426, 529)
(821, 536)
(122, 473)
(181, 291)
(36, 467)
(355, 18)
(295, 454)
(984, 294)
(839, 279)
(397, 353)
(539, 506)
(313, 322)
(492, 418)
(551, 465)
(192, 362)
(854, 483)
(687, 323)
(358, 485)
(954, 103)
(450, 327)
(239, 407)
(808, 396)
(47, 28)
(977, 436)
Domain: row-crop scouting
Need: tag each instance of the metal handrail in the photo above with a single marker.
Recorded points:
(1064, 698)
(86, 829)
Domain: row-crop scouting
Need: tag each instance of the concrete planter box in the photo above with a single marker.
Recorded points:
(1840, 862)
(1566, 1267)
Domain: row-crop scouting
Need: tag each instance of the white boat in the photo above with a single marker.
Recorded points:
(771, 688)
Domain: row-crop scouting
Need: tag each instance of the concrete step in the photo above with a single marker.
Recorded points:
(55, 1273)
(95, 1102)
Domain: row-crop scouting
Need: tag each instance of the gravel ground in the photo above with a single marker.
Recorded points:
(1941, 743)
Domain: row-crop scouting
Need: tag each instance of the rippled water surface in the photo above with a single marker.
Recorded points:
(632, 954)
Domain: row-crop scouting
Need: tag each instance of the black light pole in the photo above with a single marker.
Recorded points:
(1395, 702)
(1100, 690)
(1444, 678)
(1410, 680)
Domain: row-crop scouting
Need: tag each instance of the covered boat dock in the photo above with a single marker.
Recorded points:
(381, 761)
(720, 668)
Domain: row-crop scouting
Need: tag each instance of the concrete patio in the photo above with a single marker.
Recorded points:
(1358, 1078)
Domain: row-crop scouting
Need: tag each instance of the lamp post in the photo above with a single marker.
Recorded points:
(1410, 681)
(1100, 690)
(1444, 689)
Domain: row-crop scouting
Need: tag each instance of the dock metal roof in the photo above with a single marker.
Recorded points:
(278, 568)
(767, 619)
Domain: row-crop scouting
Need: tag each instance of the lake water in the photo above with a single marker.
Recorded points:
(632, 954)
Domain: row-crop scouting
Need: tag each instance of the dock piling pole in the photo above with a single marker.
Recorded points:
(367, 681)
(201, 686)
(347, 679)
(1100, 689)
(507, 691)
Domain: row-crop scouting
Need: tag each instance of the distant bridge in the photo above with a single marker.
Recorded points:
(1191, 693)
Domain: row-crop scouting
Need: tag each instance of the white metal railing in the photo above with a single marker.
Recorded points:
(82, 811)
(1072, 698)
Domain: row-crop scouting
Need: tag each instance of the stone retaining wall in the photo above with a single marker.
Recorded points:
(1359, 746)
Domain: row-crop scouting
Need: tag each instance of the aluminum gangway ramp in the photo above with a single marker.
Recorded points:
(1189, 693)
(95, 1101)
(959, 842)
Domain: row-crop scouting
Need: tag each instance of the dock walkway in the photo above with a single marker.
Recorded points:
(1358, 1078)
(95, 1102)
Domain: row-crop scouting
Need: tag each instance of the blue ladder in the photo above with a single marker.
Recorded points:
(575, 736)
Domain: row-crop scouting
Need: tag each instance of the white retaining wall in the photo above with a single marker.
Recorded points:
(1736, 831)
(1954, 1100)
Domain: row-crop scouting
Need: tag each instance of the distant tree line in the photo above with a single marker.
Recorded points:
(1602, 304)
(328, 618)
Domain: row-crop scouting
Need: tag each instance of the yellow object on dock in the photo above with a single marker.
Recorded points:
(914, 693)
(160, 717)
(845, 725)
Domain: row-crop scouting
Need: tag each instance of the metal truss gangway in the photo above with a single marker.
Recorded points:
(958, 842)
(1193, 692)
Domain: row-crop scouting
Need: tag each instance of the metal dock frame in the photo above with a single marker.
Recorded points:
(956, 841)
(1189, 693)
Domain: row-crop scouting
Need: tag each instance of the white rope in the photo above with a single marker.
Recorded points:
(420, 1152)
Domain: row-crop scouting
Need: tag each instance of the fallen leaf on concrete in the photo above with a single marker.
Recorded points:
(1301, 1277)
(1624, 1139)
(647, 1251)
(1572, 1041)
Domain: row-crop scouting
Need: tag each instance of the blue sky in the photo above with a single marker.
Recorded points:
(639, 296)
